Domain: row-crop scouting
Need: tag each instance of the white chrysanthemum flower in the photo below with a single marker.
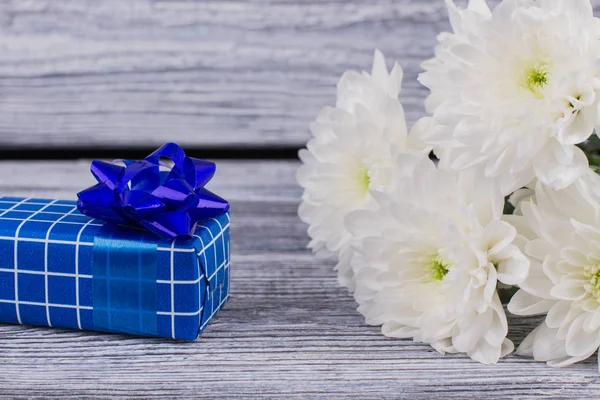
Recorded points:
(522, 195)
(563, 244)
(513, 90)
(351, 153)
(429, 258)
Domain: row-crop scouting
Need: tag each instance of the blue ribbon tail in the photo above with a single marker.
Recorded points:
(124, 285)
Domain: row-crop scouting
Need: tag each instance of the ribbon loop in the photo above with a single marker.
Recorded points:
(165, 198)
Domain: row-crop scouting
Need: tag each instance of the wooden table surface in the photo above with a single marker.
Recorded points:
(212, 74)
(289, 330)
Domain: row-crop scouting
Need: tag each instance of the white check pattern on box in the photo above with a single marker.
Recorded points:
(53, 292)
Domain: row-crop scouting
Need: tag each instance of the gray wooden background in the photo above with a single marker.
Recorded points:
(211, 74)
(250, 72)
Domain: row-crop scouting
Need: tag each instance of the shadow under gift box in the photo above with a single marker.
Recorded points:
(61, 268)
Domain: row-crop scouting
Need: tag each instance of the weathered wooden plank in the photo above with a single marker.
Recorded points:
(261, 193)
(240, 180)
(288, 331)
(206, 73)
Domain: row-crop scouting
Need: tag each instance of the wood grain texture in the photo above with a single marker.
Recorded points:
(207, 73)
(289, 330)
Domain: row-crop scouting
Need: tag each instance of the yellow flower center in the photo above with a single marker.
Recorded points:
(363, 179)
(536, 78)
(438, 268)
(593, 285)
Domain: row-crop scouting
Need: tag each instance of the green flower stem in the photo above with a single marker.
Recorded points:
(594, 160)
(592, 145)
(591, 148)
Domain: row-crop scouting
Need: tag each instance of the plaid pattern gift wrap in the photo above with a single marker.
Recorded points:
(61, 268)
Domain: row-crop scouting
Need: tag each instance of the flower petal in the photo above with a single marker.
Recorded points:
(523, 303)
(580, 343)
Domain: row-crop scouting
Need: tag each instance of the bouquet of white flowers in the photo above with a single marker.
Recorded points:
(424, 243)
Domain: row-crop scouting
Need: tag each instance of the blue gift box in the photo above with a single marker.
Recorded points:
(61, 268)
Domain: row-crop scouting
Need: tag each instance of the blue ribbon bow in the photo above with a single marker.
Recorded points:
(164, 193)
